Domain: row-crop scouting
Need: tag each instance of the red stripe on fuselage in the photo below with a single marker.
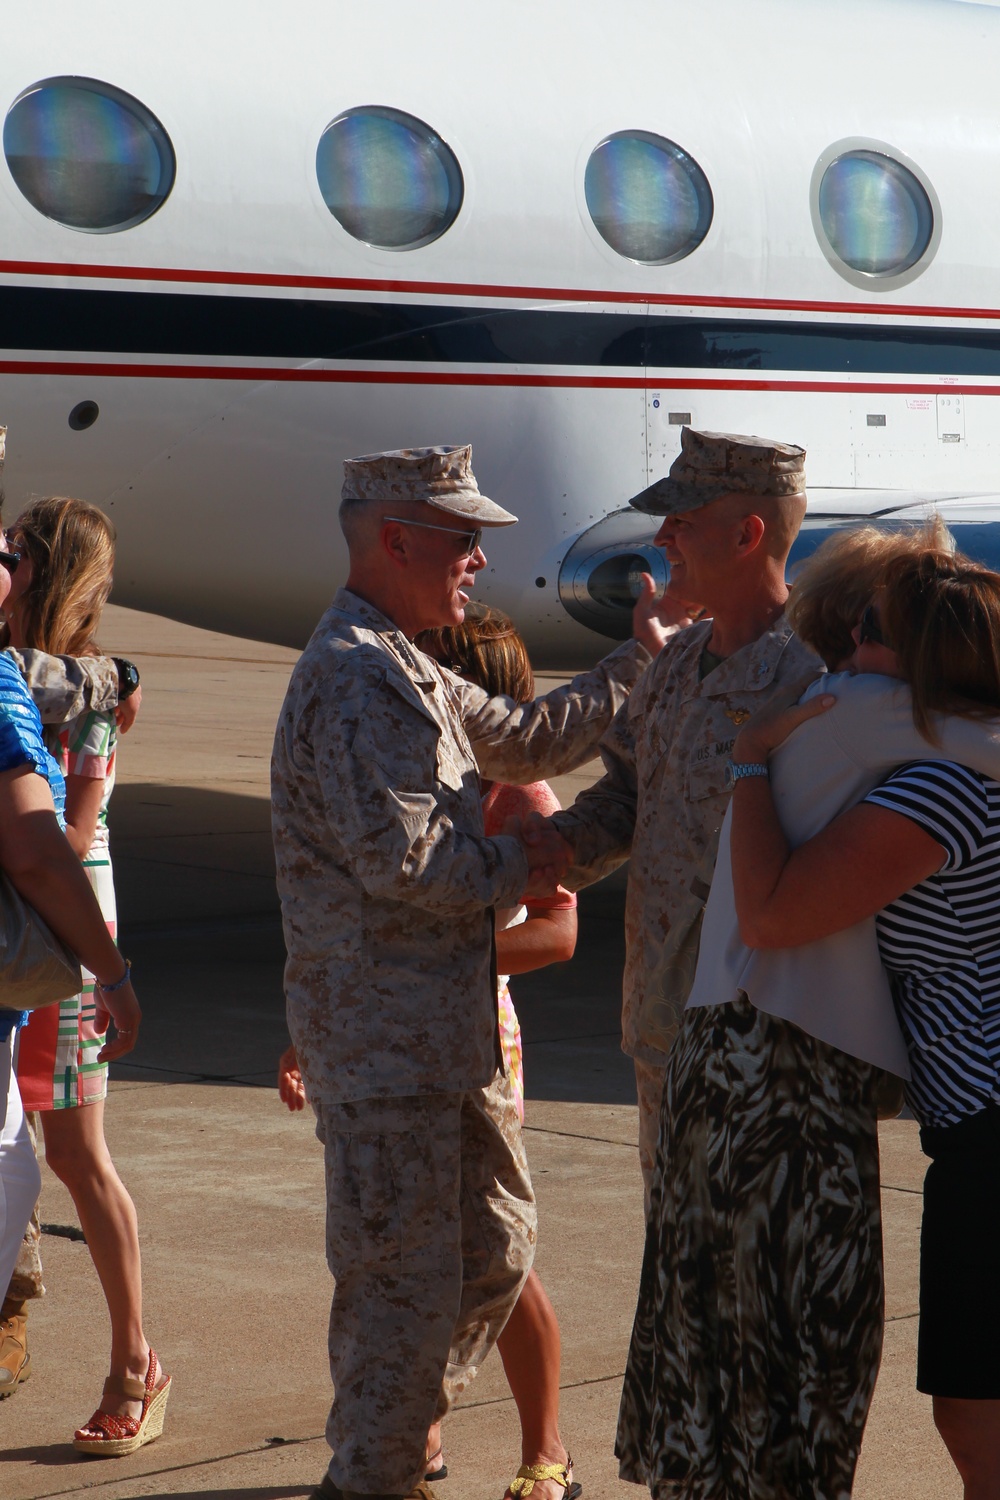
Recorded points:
(474, 378)
(479, 289)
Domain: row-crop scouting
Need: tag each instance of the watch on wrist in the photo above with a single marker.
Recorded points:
(128, 677)
(737, 770)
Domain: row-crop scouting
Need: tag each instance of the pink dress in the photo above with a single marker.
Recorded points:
(501, 802)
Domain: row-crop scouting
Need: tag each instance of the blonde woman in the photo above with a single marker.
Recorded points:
(66, 549)
(832, 588)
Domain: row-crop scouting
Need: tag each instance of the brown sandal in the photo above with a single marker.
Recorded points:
(122, 1434)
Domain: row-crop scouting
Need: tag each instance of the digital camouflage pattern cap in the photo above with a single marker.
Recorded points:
(712, 464)
(440, 476)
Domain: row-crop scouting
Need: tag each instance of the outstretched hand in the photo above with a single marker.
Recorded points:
(656, 618)
(291, 1089)
(771, 726)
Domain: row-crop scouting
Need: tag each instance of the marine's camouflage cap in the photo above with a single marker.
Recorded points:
(712, 464)
(440, 476)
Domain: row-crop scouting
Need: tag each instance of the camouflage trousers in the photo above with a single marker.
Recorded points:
(430, 1235)
(649, 1087)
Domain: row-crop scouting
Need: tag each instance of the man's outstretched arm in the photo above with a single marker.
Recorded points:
(63, 687)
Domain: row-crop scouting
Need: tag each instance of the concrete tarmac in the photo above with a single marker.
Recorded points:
(229, 1186)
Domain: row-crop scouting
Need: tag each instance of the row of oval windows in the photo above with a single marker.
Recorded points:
(92, 157)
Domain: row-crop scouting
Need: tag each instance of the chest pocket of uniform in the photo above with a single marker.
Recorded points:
(712, 751)
(399, 737)
(405, 739)
(454, 768)
(707, 778)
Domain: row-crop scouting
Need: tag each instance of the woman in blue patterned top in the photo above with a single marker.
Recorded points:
(37, 858)
(921, 853)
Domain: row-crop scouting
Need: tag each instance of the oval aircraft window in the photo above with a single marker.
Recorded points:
(649, 199)
(88, 155)
(388, 178)
(875, 213)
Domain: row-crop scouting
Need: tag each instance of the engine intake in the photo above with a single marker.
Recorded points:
(600, 578)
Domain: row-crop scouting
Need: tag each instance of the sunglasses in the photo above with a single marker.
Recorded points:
(870, 629)
(468, 541)
(10, 560)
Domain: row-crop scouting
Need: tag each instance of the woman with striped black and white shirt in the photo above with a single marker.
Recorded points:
(922, 852)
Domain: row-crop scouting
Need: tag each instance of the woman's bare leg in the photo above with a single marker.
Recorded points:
(77, 1152)
(530, 1349)
(971, 1433)
(434, 1447)
(531, 1352)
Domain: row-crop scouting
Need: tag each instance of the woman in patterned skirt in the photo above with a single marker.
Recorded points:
(55, 604)
(921, 854)
(758, 1331)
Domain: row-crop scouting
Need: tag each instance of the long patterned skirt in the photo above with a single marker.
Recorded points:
(758, 1330)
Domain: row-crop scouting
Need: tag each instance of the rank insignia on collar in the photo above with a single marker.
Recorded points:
(738, 715)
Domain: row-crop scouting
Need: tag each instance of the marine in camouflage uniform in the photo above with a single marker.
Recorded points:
(663, 796)
(661, 802)
(388, 886)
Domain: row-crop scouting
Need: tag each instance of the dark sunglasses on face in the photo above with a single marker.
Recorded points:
(870, 629)
(10, 560)
(466, 541)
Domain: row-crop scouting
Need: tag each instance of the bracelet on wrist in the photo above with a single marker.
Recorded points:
(119, 984)
(739, 770)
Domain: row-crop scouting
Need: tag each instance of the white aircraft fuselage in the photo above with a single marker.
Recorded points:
(240, 342)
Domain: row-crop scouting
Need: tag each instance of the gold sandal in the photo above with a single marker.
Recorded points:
(528, 1475)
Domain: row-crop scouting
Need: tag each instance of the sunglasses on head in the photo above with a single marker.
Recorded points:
(870, 629)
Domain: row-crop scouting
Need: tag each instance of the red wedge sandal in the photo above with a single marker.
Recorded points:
(115, 1436)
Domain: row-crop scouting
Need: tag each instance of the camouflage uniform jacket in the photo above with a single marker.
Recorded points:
(387, 881)
(63, 687)
(663, 795)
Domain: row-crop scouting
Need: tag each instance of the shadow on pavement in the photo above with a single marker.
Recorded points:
(199, 917)
(234, 1492)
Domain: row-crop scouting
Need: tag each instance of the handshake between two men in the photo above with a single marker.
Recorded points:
(548, 854)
